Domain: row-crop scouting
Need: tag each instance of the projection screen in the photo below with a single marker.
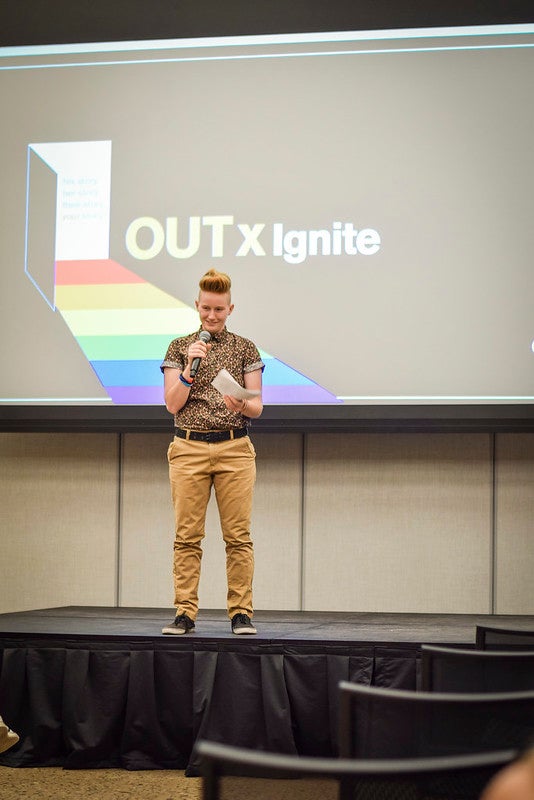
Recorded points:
(369, 193)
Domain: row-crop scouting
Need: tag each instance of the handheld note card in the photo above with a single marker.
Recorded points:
(226, 384)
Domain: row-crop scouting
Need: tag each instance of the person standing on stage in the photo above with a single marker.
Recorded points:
(211, 447)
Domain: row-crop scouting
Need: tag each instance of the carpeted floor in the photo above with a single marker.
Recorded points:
(53, 783)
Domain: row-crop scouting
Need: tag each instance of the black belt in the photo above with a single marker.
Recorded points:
(210, 436)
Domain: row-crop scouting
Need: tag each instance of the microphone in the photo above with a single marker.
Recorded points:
(204, 336)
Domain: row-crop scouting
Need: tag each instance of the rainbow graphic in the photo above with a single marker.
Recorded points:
(122, 323)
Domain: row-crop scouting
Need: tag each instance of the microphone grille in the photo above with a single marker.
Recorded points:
(204, 336)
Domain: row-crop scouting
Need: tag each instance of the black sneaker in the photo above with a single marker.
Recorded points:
(182, 624)
(242, 624)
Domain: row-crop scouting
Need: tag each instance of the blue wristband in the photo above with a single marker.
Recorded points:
(185, 381)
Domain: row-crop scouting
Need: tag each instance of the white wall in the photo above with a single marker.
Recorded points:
(438, 523)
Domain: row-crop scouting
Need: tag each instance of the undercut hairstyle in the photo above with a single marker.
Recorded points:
(217, 282)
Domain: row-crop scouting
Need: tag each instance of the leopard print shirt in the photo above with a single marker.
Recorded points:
(205, 409)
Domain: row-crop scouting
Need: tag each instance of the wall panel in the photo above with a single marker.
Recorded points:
(59, 501)
(147, 523)
(514, 523)
(398, 523)
(277, 521)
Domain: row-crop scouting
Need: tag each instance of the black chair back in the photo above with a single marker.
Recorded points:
(393, 723)
(230, 772)
(447, 669)
(491, 638)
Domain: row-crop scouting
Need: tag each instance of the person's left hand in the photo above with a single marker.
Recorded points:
(234, 403)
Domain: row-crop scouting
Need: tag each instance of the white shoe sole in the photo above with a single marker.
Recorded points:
(175, 631)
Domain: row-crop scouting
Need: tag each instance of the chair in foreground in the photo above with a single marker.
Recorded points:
(393, 723)
(452, 777)
(490, 638)
(448, 669)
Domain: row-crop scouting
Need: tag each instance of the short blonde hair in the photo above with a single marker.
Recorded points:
(217, 282)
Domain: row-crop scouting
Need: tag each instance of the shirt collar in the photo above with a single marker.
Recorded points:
(218, 337)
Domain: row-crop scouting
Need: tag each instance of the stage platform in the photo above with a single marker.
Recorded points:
(96, 687)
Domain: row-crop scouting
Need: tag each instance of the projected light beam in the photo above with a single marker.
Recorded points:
(122, 323)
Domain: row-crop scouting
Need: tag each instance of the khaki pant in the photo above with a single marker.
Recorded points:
(194, 467)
